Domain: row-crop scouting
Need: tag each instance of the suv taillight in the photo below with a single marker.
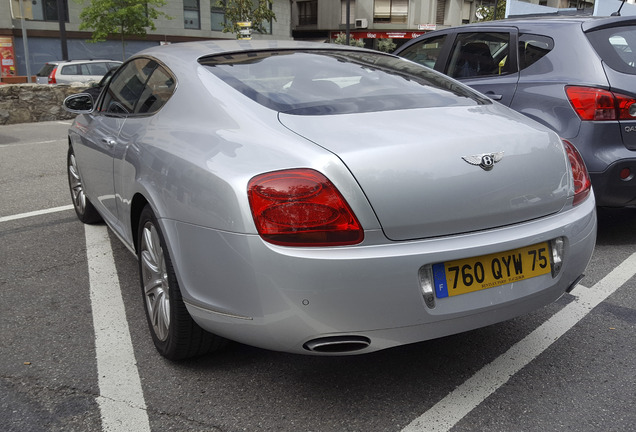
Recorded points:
(599, 105)
(582, 182)
(301, 207)
(52, 76)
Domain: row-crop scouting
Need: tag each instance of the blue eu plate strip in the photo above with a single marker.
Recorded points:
(439, 278)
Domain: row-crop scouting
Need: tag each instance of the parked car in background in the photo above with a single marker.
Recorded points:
(576, 75)
(323, 199)
(70, 71)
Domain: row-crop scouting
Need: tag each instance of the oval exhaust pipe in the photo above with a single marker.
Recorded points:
(337, 344)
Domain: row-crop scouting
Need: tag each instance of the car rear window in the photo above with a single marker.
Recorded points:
(617, 47)
(46, 70)
(316, 82)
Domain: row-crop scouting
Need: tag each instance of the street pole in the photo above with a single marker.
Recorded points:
(25, 42)
(348, 24)
(61, 18)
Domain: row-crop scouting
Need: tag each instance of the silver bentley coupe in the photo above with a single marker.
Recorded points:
(324, 199)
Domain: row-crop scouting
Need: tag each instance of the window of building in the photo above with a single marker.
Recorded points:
(307, 12)
(191, 16)
(217, 17)
(440, 12)
(390, 11)
(46, 10)
(266, 24)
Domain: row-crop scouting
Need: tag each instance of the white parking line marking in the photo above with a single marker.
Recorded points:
(121, 400)
(457, 404)
(35, 213)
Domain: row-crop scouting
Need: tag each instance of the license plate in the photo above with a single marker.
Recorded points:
(473, 274)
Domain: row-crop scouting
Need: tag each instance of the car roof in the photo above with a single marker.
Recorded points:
(588, 21)
(82, 61)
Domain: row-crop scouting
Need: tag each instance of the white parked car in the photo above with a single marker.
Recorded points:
(70, 71)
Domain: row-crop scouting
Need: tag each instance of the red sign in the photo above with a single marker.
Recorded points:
(7, 57)
(379, 34)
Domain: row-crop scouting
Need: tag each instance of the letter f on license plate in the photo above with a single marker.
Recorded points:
(487, 271)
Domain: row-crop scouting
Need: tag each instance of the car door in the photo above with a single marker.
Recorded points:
(141, 130)
(103, 135)
(486, 59)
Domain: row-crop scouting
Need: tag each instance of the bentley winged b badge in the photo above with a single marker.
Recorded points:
(487, 160)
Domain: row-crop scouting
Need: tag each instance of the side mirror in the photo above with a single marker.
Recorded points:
(81, 103)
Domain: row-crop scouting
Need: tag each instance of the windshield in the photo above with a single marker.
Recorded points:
(315, 82)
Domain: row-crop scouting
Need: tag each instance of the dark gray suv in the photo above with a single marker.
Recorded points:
(576, 75)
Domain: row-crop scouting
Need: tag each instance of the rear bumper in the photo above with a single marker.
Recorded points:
(612, 191)
(281, 298)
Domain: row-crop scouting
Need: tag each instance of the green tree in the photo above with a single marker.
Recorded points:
(123, 17)
(258, 12)
(487, 13)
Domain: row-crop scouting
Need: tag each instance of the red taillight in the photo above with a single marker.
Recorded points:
(582, 182)
(52, 76)
(598, 104)
(301, 207)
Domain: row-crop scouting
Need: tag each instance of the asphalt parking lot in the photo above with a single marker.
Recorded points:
(76, 355)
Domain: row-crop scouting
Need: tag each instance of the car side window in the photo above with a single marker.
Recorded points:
(141, 86)
(479, 55)
(96, 69)
(532, 48)
(70, 70)
(158, 90)
(426, 52)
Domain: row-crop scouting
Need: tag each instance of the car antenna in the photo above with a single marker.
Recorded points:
(618, 12)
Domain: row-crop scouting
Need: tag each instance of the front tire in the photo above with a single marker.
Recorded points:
(84, 210)
(175, 334)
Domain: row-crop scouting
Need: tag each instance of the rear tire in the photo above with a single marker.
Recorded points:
(174, 333)
(83, 208)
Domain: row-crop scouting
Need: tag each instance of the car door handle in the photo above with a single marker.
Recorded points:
(109, 142)
(493, 96)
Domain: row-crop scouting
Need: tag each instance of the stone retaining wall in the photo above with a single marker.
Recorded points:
(25, 103)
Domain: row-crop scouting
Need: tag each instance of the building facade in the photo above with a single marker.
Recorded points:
(190, 20)
(374, 20)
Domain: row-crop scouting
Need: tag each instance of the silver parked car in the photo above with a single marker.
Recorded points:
(324, 199)
(72, 71)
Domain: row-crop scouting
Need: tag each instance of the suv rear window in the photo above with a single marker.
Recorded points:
(46, 70)
(317, 82)
(617, 47)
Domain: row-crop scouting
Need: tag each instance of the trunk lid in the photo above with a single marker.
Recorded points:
(412, 165)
